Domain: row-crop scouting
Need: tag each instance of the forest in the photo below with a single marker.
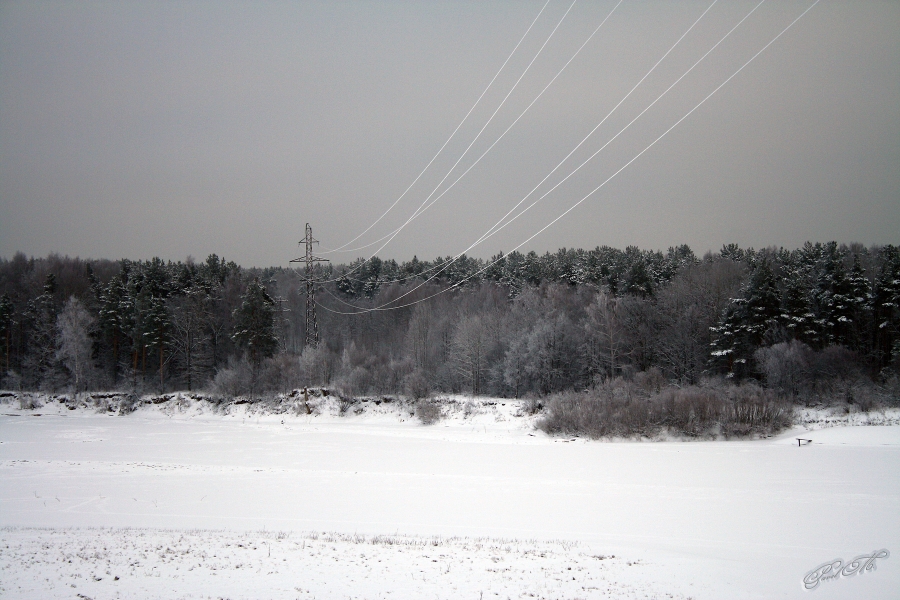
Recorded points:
(821, 321)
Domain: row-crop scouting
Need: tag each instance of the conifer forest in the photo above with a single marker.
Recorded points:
(821, 320)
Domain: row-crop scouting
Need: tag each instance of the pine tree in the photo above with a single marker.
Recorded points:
(886, 307)
(638, 281)
(748, 322)
(833, 297)
(797, 315)
(40, 324)
(732, 252)
(255, 325)
(860, 299)
(156, 327)
(113, 318)
(6, 325)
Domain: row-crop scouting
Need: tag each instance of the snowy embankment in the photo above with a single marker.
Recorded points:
(191, 498)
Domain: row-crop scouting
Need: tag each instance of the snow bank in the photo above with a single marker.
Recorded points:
(320, 406)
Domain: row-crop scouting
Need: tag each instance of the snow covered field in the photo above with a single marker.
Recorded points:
(176, 500)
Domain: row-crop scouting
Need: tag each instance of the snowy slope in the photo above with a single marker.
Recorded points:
(513, 509)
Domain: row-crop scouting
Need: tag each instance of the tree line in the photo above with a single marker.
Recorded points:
(518, 324)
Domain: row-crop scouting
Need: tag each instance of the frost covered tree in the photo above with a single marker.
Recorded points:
(419, 336)
(74, 325)
(470, 351)
(605, 348)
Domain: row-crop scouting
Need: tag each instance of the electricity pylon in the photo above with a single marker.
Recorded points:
(312, 327)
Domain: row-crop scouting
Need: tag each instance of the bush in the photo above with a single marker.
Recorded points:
(281, 373)
(345, 402)
(787, 367)
(428, 412)
(690, 411)
(29, 402)
(234, 380)
(754, 411)
(533, 405)
(416, 385)
(129, 403)
(828, 376)
(622, 409)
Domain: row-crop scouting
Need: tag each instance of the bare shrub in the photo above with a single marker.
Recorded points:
(281, 373)
(234, 380)
(345, 402)
(690, 411)
(357, 381)
(838, 362)
(12, 380)
(29, 402)
(621, 409)
(650, 381)
(533, 405)
(129, 403)
(890, 388)
(316, 366)
(787, 367)
(754, 411)
(428, 412)
(597, 413)
(864, 395)
(416, 385)
(834, 375)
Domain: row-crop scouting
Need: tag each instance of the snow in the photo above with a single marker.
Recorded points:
(181, 499)
(158, 563)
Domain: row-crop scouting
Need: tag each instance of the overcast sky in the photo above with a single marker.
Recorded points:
(140, 129)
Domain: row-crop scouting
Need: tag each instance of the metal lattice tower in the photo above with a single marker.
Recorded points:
(312, 326)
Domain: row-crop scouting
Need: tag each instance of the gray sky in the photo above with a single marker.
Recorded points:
(140, 129)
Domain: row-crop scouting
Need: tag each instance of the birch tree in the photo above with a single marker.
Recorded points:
(74, 325)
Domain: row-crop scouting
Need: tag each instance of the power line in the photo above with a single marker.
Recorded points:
(630, 123)
(415, 214)
(592, 192)
(497, 74)
(421, 210)
(494, 228)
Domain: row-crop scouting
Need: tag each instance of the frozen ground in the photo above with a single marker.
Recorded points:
(176, 500)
